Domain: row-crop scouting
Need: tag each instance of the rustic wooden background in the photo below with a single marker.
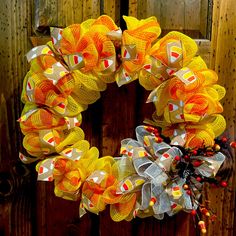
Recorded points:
(28, 207)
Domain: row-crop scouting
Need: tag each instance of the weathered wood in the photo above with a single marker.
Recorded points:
(112, 9)
(91, 9)
(31, 209)
(204, 49)
(65, 12)
(192, 18)
(187, 15)
(172, 14)
(133, 8)
(203, 18)
(16, 189)
(223, 61)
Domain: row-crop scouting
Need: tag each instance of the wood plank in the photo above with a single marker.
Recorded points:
(203, 17)
(78, 11)
(215, 29)
(154, 9)
(133, 8)
(16, 187)
(45, 14)
(65, 13)
(172, 14)
(224, 63)
(204, 49)
(112, 9)
(60, 13)
(192, 14)
(91, 9)
(57, 216)
(147, 8)
(142, 9)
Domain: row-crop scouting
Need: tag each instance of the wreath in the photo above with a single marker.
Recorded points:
(164, 169)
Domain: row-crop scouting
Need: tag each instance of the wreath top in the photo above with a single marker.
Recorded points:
(155, 174)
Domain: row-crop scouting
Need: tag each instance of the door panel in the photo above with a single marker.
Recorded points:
(28, 207)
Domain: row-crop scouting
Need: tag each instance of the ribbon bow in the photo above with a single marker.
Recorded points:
(160, 177)
(166, 57)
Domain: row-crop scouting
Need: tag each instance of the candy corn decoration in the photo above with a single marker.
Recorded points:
(161, 171)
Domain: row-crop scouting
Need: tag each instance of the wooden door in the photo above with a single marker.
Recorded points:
(28, 207)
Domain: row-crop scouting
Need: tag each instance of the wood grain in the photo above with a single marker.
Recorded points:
(223, 61)
(186, 15)
(30, 208)
(17, 191)
(112, 9)
(203, 19)
(192, 9)
(204, 50)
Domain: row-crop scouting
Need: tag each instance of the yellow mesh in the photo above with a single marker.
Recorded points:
(141, 47)
(148, 80)
(69, 108)
(82, 145)
(24, 98)
(159, 51)
(179, 90)
(46, 91)
(89, 80)
(120, 211)
(70, 183)
(141, 34)
(66, 84)
(104, 45)
(86, 25)
(35, 147)
(72, 42)
(197, 63)
(89, 158)
(210, 77)
(199, 139)
(104, 24)
(89, 51)
(76, 134)
(218, 125)
(41, 119)
(41, 63)
(220, 90)
(85, 96)
(148, 29)
(70, 39)
(106, 77)
(103, 163)
(189, 44)
(74, 108)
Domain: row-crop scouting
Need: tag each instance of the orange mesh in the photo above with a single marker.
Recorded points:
(76, 134)
(66, 84)
(120, 211)
(41, 63)
(105, 21)
(70, 39)
(36, 148)
(41, 119)
(44, 92)
(72, 42)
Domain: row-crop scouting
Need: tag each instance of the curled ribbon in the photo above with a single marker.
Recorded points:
(159, 176)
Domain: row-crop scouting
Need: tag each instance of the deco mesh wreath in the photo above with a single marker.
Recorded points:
(155, 174)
